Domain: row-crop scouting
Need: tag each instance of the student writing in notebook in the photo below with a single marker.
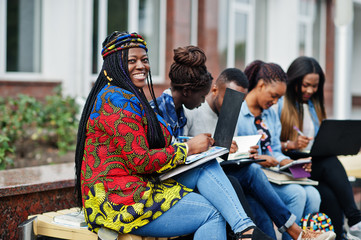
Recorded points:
(265, 203)
(123, 145)
(302, 111)
(267, 83)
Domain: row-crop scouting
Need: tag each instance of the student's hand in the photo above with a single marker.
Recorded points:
(307, 166)
(270, 161)
(253, 152)
(200, 143)
(234, 147)
(285, 162)
(302, 142)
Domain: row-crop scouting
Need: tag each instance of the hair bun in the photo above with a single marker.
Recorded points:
(190, 56)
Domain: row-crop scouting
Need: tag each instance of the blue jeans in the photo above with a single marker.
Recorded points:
(261, 217)
(300, 199)
(205, 212)
(255, 183)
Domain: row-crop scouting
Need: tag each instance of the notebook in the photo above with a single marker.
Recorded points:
(227, 119)
(335, 137)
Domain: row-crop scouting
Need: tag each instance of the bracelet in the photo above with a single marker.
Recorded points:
(286, 145)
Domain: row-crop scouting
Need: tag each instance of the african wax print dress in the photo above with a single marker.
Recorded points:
(119, 189)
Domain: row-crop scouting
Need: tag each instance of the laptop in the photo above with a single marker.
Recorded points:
(226, 125)
(335, 137)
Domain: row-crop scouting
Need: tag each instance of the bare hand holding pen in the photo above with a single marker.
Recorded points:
(200, 143)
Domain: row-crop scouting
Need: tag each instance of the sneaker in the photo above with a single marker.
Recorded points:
(349, 236)
(311, 235)
(355, 230)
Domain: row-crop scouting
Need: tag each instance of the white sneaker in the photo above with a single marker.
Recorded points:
(349, 236)
(355, 230)
(311, 235)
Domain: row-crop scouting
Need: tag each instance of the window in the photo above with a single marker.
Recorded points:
(23, 31)
(147, 18)
(305, 27)
(235, 38)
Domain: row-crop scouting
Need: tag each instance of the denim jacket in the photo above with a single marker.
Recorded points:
(168, 112)
(246, 126)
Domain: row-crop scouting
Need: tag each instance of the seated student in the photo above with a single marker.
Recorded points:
(267, 83)
(303, 107)
(264, 200)
(123, 145)
(191, 93)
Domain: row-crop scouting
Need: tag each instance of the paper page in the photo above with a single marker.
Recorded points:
(244, 143)
(213, 150)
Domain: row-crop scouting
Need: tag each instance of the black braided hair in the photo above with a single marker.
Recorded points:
(268, 72)
(116, 66)
(189, 70)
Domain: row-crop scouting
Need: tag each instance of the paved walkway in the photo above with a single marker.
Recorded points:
(352, 165)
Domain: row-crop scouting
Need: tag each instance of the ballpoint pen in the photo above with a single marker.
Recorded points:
(183, 138)
(298, 130)
(270, 150)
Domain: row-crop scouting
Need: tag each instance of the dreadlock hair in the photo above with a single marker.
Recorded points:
(233, 75)
(292, 112)
(268, 72)
(115, 72)
(189, 70)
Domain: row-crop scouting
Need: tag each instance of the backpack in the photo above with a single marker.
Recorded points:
(317, 222)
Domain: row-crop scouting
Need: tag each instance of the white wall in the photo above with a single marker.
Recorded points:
(282, 32)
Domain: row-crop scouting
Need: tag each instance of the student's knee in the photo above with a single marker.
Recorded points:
(297, 194)
(254, 170)
(313, 197)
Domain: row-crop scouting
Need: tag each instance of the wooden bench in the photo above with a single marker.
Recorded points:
(43, 225)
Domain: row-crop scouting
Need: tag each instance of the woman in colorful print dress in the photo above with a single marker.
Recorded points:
(122, 148)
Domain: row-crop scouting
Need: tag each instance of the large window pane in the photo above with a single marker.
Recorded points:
(149, 23)
(146, 22)
(23, 36)
(302, 39)
(223, 33)
(240, 40)
(117, 15)
(95, 45)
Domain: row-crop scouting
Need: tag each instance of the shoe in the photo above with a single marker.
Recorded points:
(355, 230)
(349, 236)
(311, 235)
(256, 235)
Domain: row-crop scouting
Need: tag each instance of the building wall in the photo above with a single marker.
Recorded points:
(66, 34)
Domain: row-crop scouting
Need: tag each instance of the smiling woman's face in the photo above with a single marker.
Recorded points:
(309, 86)
(270, 93)
(138, 66)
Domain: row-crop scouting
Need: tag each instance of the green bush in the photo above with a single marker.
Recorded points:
(5, 150)
(24, 118)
